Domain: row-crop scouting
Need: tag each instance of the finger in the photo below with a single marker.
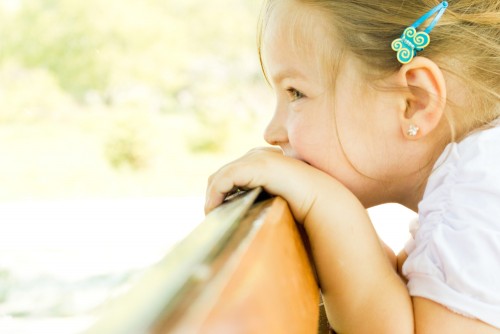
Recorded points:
(220, 184)
(241, 173)
(215, 192)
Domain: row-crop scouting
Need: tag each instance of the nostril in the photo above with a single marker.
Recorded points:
(270, 141)
(274, 135)
(268, 136)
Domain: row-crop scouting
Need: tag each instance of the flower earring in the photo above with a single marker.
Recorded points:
(412, 130)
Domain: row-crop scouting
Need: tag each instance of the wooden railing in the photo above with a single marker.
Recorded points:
(244, 269)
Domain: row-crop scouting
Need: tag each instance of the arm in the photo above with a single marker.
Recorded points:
(393, 259)
(400, 260)
(361, 288)
(362, 291)
(431, 317)
(434, 318)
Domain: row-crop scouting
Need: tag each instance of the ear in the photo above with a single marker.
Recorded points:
(426, 100)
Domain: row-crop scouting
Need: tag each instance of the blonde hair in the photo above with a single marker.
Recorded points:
(464, 43)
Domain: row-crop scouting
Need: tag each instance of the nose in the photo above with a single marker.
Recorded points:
(276, 132)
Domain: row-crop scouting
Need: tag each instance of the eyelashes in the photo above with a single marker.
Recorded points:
(294, 94)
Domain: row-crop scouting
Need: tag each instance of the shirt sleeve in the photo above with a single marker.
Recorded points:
(454, 259)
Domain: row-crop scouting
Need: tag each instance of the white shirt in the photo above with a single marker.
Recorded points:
(454, 258)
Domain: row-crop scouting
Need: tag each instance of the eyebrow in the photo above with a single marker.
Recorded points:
(286, 73)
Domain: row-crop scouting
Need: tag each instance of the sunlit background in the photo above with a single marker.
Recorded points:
(112, 116)
(124, 98)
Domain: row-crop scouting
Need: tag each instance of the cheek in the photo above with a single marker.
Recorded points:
(312, 141)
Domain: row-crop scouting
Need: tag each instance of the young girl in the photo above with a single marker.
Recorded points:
(361, 119)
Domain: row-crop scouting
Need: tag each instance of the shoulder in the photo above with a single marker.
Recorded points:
(466, 176)
(481, 145)
(454, 261)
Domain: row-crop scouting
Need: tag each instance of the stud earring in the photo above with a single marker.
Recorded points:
(412, 130)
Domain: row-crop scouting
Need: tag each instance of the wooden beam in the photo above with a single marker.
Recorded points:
(258, 280)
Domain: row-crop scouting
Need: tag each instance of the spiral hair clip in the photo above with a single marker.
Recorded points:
(412, 41)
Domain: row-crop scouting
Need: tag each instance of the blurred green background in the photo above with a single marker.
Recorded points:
(125, 98)
(134, 99)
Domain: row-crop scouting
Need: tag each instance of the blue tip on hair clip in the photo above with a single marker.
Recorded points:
(412, 41)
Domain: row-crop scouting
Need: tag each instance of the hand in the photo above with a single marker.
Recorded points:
(344, 245)
(292, 179)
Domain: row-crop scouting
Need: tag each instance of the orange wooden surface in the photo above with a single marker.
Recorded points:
(265, 284)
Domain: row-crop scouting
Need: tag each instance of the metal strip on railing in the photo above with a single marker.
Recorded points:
(244, 269)
(161, 288)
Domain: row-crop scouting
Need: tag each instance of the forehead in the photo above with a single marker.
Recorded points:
(299, 25)
(296, 33)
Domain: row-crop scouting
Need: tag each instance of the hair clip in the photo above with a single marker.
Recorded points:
(412, 41)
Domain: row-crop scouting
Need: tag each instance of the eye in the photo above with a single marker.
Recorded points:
(294, 94)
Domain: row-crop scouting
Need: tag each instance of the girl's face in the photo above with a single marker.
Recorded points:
(348, 130)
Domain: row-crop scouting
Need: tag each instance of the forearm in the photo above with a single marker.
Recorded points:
(390, 255)
(361, 289)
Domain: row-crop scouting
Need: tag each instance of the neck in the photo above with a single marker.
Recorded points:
(417, 184)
